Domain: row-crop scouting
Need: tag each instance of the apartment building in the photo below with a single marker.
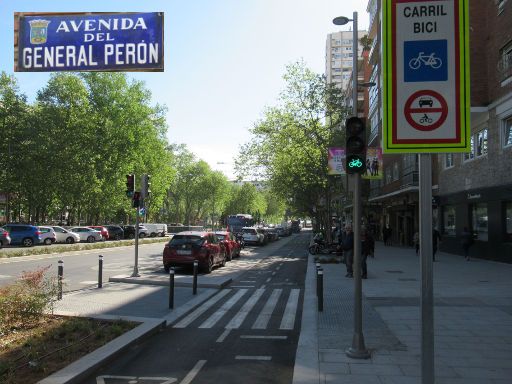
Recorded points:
(338, 57)
(472, 190)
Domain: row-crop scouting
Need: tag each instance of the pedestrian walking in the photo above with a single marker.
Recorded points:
(348, 250)
(466, 242)
(386, 235)
(416, 241)
(435, 238)
(367, 246)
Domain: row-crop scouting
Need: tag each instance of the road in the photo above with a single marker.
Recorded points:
(247, 332)
(81, 267)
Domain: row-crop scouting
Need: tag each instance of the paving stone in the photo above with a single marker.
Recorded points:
(375, 369)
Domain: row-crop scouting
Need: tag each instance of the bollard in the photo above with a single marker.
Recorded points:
(100, 271)
(171, 288)
(318, 267)
(60, 274)
(320, 289)
(194, 283)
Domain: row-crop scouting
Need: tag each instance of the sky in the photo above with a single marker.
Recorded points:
(224, 60)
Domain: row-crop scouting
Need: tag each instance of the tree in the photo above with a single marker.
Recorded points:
(289, 144)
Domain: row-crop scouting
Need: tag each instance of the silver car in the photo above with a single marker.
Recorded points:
(65, 235)
(87, 234)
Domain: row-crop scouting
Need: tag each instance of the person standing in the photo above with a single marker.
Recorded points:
(367, 244)
(435, 238)
(466, 242)
(416, 241)
(348, 250)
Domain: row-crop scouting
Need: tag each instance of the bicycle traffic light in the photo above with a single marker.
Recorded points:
(146, 184)
(355, 146)
(136, 200)
(130, 185)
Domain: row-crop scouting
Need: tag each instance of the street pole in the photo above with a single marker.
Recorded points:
(427, 289)
(358, 349)
(136, 265)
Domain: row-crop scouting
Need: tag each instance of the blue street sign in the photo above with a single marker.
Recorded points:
(425, 60)
(90, 42)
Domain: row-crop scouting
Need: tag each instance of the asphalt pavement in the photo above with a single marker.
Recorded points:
(472, 320)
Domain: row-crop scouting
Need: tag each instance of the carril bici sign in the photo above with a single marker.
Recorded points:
(46, 42)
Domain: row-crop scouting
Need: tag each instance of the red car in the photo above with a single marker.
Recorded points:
(232, 246)
(185, 247)
(103, 231)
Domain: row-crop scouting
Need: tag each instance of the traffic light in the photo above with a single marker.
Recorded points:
(146, 184)
(136, 200)
(355, 146)
(130, 185)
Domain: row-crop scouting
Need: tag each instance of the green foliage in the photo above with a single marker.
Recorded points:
(25, 301)
(289, 144)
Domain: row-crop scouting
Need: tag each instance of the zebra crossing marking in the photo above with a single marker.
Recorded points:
(223, 336)
(263, 337)
(244, 311)
(210, 322)
(290, 311)
(264, 317)
(202, 309)
(262, 358)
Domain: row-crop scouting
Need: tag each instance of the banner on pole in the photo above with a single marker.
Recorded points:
(336, 160)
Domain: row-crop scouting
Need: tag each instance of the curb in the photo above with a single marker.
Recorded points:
(79, 369)
(306, 369)
(164, 281)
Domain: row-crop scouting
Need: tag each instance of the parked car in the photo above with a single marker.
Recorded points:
(87, 234)
(156, 229)
(115, 232)
(5, 239)
(252, 236)
(103, 231)
(271, 234)
(23, 234)
(185, 247)
(129, 231)
(65, 235)
(230, 244)
(47, 235)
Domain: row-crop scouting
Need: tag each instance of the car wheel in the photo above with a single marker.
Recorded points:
(209, 266)
(131, 236)
(224, 259)
(70, 240)
(1, 244)
(91, 239)
(117, 237)
(229, 255)
(28, 242)
(142, 235)
(47, 241)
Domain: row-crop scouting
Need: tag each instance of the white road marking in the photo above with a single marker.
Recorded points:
(273, 273)
(242, 286)
(290, 311)
(247, 281)
(263, 337)
(5, 276)
(202, 309)
(244, 311)
(263, 286)
(134, 379)
(210, 322)
(264, 358)
(88, 282)
(268, 279)
(192, 374)
(264, 317)
(223, 336)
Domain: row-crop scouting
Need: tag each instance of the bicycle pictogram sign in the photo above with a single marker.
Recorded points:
(426, 110)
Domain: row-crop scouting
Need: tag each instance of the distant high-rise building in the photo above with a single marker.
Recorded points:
(338, 56)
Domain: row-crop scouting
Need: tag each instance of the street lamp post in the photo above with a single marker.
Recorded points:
(358, 349)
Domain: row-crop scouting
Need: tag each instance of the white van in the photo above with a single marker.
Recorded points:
(155, 230)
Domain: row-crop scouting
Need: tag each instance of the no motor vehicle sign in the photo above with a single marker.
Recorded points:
(426, 102)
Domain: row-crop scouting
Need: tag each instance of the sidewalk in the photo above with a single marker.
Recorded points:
(472, 322)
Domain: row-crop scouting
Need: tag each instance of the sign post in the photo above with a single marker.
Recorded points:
(426, 108)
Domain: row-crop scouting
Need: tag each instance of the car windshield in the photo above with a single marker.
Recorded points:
(221, 237)
(186, 239)
(250, 231)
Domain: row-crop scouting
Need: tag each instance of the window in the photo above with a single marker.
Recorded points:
(505, 61)
(479, 220)
(507, 132)
(481, 143)
(448, 160)
(395, 171)
(449, 220)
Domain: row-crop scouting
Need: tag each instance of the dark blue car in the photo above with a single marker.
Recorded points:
(23, 234)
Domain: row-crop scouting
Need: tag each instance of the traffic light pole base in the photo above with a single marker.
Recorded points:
(358, 350)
